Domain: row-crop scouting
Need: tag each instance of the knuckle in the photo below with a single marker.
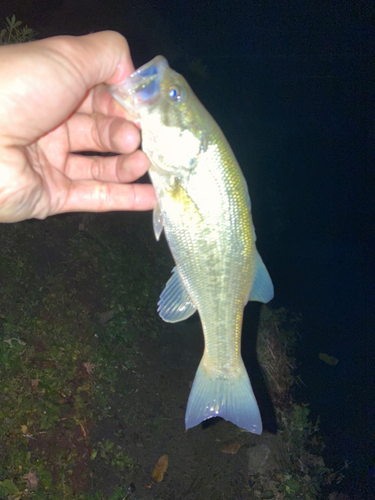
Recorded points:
(103, 195)
(96, 168)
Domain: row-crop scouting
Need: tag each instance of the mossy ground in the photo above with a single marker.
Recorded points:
(94, 385)
(69, 322)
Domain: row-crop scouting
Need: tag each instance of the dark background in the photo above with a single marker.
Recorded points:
(291, 83)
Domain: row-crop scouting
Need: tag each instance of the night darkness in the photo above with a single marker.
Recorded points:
(292, 86)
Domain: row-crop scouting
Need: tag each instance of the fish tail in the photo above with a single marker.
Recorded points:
(231, 398)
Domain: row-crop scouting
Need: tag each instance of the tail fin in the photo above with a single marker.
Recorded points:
(230, 398)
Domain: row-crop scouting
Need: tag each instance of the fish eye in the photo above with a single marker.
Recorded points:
(175, 94)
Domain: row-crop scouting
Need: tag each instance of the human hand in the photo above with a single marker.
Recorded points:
(53, 102)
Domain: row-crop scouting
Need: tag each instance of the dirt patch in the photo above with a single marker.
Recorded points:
(150, 422)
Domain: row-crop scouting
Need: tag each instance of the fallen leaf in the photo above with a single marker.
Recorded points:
(230, 447)
(330, 360)
(34, 383)
(24, 429)
(106, 316)
(31, 479)
(160, 469)
(90, 367)
(82, 429)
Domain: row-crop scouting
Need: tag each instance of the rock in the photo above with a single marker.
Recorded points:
(259, 459)
(267, 455)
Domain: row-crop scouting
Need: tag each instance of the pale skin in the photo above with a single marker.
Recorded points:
(53, 101)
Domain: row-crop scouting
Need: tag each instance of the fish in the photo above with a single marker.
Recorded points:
(203, 206)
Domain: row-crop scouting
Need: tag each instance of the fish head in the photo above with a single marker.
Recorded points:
(172, 119)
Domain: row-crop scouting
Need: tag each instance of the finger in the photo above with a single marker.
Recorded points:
(55, 75)
(122, 168)
(99, 132)
(99, 100)
(92, 196)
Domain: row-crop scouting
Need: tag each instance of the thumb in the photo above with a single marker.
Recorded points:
(44, 82)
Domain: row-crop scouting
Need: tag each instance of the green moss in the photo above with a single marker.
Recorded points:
(72, 304)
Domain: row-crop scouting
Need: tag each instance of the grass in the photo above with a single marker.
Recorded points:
(302, 469)
(14, 33)
(71, 304)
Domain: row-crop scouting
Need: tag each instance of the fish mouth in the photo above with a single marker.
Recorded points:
(142, 87)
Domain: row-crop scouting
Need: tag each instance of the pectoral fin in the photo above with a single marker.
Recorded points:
(262, 289)
(175, 303)
(157, 220)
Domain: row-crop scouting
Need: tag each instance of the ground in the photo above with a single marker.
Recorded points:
(95, 385)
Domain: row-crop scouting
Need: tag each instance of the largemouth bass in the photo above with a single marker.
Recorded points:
(204, 207)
